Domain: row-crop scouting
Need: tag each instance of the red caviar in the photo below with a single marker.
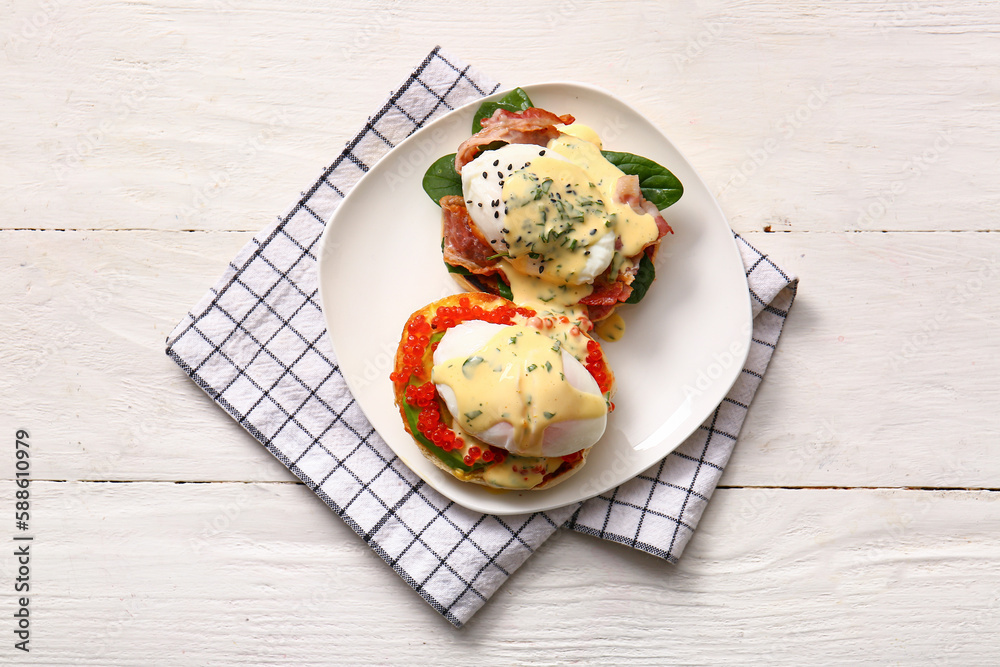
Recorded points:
(415, 343)
(448, 316)
(596, 366)
(429, 421)
(423, 395)
(418, 332)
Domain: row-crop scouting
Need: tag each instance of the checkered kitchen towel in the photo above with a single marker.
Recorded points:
(256, 344)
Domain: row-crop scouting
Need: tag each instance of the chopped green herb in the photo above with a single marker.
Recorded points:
(549, 415)
(472, 415)
(543, 189)
(469, 367)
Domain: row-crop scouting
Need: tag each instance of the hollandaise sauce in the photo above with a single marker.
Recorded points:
(558, 307)
(634, 230)
(521, 472)
(611, 328)
(562, 222)
(517, 378)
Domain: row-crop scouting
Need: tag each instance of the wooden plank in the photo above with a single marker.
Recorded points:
(882, 378)
(85, 317)
(886, 370)
(265, 574)
(829, 117)
(813, 118)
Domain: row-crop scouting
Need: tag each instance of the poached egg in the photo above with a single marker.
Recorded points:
(515, 387)
(551, 211)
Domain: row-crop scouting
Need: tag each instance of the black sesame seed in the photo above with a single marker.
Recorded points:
(468, 201)
(501, 184)
(496, 214)
(496, 162)
(518, 240)
(510, 167)
(541, 152)
(499, 174)
(505, 230)
(586, 252)
(593, 231)
(480, 204)
(527, 164)
(485, 174)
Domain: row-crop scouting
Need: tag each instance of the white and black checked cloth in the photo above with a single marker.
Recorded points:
(256, 343)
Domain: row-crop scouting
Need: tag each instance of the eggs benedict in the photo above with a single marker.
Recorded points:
(540, 198)
(497, 395)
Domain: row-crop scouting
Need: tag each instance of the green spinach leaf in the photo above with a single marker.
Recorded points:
(504, 289)
(516, 100)
(643, 279)
(452, 460)
(657, 183)
(441, 179)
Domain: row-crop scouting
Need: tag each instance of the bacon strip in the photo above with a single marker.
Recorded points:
(607, 294)
(531, 126)
(599, 312)
(462, 247)
(627, 191)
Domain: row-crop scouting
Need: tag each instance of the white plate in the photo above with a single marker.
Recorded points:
(684, 346)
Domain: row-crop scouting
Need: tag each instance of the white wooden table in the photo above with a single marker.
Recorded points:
(857, 142)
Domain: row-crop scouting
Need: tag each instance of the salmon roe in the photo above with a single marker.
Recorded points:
(596, 366)
(417, 337)
(448, 316)
(418, 332)
(423, 395)
(429, 423)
